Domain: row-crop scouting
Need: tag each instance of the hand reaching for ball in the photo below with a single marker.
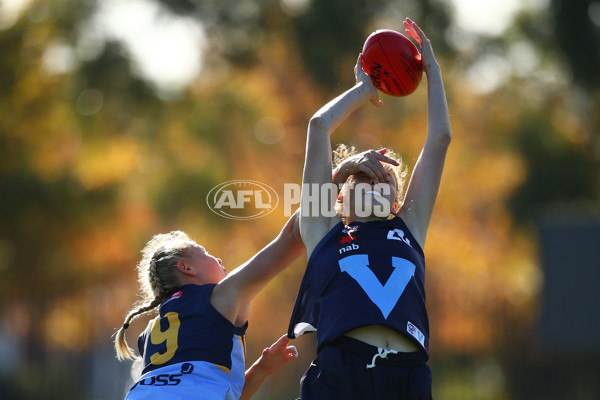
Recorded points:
(414, 31)
(361, 77)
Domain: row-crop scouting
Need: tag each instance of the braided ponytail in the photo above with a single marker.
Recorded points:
(157, 277)
(155, 282)
(125, 352)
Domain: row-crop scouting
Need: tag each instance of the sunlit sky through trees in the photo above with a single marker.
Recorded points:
(167, 49)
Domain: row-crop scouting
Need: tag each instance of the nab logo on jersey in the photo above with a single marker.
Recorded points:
(398, 234)
(351, 247)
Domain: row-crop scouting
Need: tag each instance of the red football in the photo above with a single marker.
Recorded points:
(393, 62)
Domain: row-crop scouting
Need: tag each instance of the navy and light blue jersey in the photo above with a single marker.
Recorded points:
(189, 344)
(367, 273)
(188, 328)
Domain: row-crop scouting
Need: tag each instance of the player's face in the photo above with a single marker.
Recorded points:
(368, 197)
(209, 268)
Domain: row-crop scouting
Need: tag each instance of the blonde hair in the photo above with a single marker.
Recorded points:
(157, 277)
(342, 152)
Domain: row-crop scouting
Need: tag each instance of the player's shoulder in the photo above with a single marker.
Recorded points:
(186, 295)
(315, 232)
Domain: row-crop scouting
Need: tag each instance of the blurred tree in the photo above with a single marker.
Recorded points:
(327, 33)
(576, 29)
(65, 153)
(559, 169)
(558, 132)
(94, 162)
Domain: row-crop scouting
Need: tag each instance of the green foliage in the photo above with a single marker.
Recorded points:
(558, 170)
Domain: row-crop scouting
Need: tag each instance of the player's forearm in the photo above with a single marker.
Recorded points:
(317, 164)
(255, 377)
(250, 278)
(438, 118)
(337, 110)
(232, 296)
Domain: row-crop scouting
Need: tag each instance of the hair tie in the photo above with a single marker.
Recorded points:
(125, 325)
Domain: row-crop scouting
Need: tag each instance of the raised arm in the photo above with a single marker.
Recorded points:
(424, 184)
(232, 296)
(318, 163)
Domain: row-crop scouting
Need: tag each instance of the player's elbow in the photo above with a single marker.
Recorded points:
(318, 123)
(444, 137)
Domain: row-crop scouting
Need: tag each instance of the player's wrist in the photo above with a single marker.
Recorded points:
(340, 174)
(260, 369)
(365, 89)
(431, 67)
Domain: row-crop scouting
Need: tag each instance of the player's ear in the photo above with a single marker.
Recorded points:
(185, 268)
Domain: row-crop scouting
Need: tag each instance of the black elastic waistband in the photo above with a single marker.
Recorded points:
(367, 351)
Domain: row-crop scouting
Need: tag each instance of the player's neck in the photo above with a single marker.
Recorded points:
(354, 218)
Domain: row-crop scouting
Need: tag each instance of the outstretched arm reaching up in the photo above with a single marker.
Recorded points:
(232, 296)
(424, 183)
(318, 162)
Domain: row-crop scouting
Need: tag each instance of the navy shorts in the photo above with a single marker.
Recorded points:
(340, 372)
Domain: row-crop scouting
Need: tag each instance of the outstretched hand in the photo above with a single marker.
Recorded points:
(362, 77)
(369, 162)
(413, 30)
(272, 358)
(277, 355)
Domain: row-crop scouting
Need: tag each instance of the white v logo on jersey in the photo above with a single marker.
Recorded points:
(385, 296)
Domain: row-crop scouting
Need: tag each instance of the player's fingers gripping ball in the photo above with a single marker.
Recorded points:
(392, 62)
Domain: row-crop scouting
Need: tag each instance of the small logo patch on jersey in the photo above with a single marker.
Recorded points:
(174, 296)
(350, 229)
(416, 333)
(187, 368)
(346, 239)
(398, 234)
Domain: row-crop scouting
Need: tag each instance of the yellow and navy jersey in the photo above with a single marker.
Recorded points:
(366, 273)
(189, 328)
